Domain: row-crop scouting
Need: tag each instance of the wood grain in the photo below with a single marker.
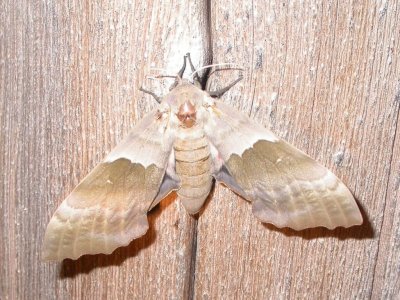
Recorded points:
(323, 75)
(70, 76)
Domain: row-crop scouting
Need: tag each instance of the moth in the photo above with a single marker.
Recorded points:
(189, 140)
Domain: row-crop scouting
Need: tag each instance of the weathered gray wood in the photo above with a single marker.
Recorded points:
(323, 75)
(387, 270)
(70, 73)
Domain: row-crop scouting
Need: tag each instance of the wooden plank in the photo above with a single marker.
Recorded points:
(70, 73)
(387, 273)
(321, 75)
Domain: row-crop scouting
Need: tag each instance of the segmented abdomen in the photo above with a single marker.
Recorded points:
(193, 166)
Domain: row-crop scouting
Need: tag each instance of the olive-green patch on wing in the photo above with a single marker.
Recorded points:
(105, 211)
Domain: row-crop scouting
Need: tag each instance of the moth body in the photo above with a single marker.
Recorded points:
(193, 161)
(193, 167)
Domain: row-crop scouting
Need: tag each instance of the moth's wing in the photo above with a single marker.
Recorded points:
(287, 187)
(108, 208)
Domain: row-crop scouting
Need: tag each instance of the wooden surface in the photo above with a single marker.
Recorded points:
(324, 75)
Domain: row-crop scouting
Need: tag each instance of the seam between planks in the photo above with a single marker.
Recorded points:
(194, 243)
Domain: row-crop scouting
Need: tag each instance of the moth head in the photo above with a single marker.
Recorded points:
(187, 114)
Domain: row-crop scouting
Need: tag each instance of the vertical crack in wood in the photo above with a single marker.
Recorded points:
(209, 59)
(209, 51)
(192, 266)
(208, 29)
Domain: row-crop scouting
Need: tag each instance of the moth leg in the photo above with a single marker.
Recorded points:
(220, 92)
(158, 98)
(180, 74)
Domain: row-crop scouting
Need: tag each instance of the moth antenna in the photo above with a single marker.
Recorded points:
(161, 75)
(178, 79)
(169, 76)
(196, 78)
(182, 70)
(190, 62)
(158, 69)
(213, 65)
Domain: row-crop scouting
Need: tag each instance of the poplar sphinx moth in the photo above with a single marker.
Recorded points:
(189, 140)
